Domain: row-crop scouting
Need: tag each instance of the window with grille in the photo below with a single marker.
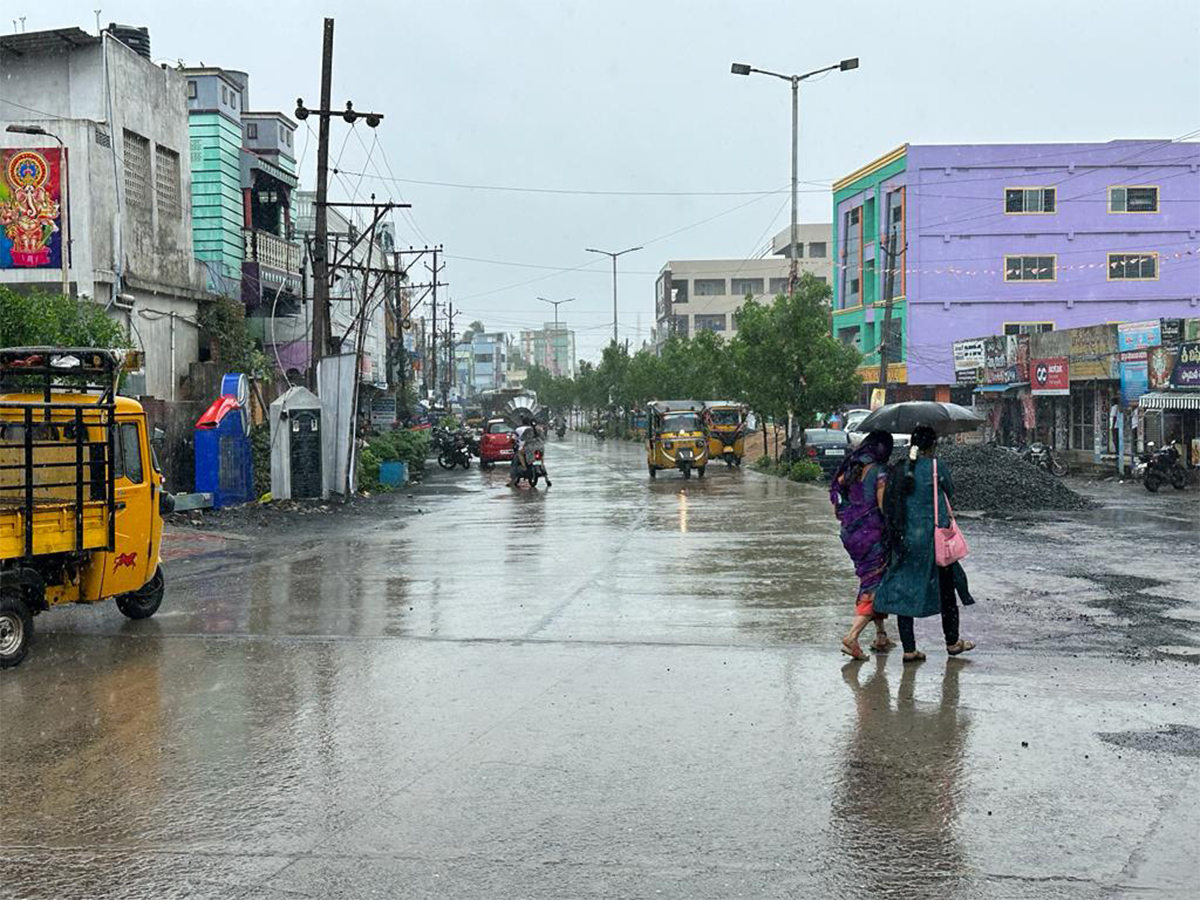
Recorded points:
(778, 286)
(1126, 199)
(1029, 200)
(709, 287)
(166, 180)
(1029, 268)
(1132, 266)
(816, 249)
(710, 322)
(137, 170)
(740, 287)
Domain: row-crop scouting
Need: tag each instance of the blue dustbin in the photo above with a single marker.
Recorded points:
(393, 473)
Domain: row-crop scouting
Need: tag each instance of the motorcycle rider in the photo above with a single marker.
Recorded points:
(525, 432)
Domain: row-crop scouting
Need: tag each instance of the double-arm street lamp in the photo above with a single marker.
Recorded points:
(556, 304)
(614, 262)
(743, 69)
(64, 245)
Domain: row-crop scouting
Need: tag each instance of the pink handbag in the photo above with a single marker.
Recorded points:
(949, 546)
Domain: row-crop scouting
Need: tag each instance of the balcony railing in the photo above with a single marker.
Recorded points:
(273, 252)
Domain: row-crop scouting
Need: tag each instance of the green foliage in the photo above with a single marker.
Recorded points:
(260, 449)
(223, 323)
(764, 464)
(804, 471)
(406, 445)
(41, 319)
(449, 421)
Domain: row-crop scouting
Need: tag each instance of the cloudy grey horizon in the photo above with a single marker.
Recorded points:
(619, 123)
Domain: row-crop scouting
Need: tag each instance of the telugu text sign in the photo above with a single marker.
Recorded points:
(1139, 335)
(1050, 376)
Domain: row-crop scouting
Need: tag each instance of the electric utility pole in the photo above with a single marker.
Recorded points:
(320, 313)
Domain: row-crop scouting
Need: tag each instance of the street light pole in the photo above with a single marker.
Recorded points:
(614, 256)
(794, 80)
(64, 187)
(556, 304)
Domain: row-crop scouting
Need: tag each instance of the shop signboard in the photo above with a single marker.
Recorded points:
(1021, 359)
(383, 412)
(1139, 335)
(1135, 380)
(995, 359)
(968, 360)
(1186, 373)
(1050, 377)
(1093, 353)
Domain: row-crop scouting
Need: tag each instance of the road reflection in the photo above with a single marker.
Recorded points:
(897, 799)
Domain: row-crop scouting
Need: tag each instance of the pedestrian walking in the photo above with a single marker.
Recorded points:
(1114, 425)
(914, 585)
(1135, 419)
(856, 492)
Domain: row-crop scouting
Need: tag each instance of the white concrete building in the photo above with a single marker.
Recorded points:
(694, 295)
(124, 123)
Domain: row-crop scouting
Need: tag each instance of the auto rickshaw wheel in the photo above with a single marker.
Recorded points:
(700, 471)
(687, 472)
(16, 630)
(653, 471)
(144, 602)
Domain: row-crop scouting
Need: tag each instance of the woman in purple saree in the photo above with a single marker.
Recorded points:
(856, 492)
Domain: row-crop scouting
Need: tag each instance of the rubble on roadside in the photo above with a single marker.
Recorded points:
(990, 479)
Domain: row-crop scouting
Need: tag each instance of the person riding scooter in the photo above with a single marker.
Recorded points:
(528, 448)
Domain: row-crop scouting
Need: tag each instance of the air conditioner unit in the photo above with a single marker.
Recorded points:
(124, 301)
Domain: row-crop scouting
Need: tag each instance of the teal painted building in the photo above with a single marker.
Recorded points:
(215, 103)
(869, 239)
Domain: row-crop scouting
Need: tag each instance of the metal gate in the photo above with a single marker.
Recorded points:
(305, 453)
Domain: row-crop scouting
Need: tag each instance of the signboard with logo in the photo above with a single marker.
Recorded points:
(1186, 373)
(383, 412)
(1050, 377)
(1139, 335)
(30, 208)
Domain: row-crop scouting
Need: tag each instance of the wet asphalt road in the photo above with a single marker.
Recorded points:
(615, 688)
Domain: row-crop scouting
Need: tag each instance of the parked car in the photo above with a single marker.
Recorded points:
(497, 443)
(827, 447)
(853, 417)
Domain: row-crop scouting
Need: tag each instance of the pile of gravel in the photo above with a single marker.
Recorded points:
(988, 479)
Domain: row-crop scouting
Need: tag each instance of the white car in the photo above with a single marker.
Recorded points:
(854, 418)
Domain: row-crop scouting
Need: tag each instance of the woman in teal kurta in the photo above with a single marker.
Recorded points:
(914, 585)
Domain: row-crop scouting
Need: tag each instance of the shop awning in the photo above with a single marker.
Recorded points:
(1170, 400)
(999, 388)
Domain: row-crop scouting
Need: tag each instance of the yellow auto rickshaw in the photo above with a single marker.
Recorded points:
(81, 495)
(726, 424)
(675, 437)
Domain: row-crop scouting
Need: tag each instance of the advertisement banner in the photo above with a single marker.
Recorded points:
(30, 208)
(1093, 352)
(995, 361)
(1135, 381)
(1050, 377)
(1139, 335)
(1022, 359)
(968, 360)
(1186, 373)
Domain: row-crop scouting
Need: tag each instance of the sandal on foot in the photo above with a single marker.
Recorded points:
(853, 649)
(883, 644)
(915, 656)
(960, 647)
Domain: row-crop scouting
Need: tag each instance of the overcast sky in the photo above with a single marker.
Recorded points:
(636, 96)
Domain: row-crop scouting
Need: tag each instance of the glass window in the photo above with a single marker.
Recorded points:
(1029, 268)
(224, 94)
(252, 131)
(1133, 199)
(129, 453)
(1132, 266)
(191, 90)
(1029, 200)
(709, 287)
(816, 249)
(778, 286)
(679, 288)
(1027, 327)
(679, 325)
(740, 287)
(710, 322)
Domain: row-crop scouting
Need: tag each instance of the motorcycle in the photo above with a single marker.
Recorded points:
(560, 429)
(455, 452)
(1157, 467)
(1042, 456)
(531, 464)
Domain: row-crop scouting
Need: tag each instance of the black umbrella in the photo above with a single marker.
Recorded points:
(902, 418)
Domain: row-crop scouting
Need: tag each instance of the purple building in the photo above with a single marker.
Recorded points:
(953, 242)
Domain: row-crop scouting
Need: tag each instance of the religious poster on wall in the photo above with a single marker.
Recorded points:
(30, 208)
